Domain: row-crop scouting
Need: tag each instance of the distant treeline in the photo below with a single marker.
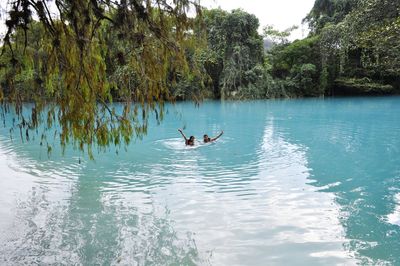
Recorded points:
(73, 64)
(353, 48)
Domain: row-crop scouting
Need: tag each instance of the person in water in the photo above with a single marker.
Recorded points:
(207, 139)
(188, 141)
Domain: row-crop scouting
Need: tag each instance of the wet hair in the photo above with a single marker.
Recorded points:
(205, 136)
(191, 138)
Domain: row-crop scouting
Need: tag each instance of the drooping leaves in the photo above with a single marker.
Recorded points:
(60, 63)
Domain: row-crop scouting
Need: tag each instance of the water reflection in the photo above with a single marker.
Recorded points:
(290, 182)
(261, 211)
(353, 152)
(61, 233)
(68, 214)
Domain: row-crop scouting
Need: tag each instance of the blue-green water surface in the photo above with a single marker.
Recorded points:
(291, 182)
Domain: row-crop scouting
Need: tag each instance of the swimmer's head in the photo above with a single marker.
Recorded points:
(206, 138)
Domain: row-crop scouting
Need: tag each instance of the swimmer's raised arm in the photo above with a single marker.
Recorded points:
(220, 134)
(180, 130)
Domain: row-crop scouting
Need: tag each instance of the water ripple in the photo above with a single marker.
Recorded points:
(284, 185)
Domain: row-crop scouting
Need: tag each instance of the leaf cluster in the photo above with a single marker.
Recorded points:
(75, 64)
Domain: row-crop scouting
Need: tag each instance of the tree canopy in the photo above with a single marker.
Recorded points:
(353, 44)
(234, 56)
(64, 58)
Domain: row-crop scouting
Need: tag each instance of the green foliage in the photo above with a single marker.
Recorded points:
(358, 39)
(375, 28)
(306, 77)
(284, 57)
(325, 12)
(74, 65)
(297, 65)
(143, 53)
(235, 51)
(276, 36)
(361, 86)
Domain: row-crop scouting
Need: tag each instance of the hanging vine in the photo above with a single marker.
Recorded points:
(65, 52)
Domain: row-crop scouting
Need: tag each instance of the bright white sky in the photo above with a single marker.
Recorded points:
(280, 13)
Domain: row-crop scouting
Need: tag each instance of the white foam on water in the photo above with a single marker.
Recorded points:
(179, 144)
(394, 217)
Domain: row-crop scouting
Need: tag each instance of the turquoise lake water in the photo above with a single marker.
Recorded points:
(291, 182)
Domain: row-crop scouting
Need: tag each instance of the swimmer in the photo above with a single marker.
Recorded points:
(190, 141)
(207, 139)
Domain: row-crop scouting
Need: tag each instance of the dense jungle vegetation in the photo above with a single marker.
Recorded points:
(142, 53)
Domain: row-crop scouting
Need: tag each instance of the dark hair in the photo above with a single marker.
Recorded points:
(205, 136)
(191, 137)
